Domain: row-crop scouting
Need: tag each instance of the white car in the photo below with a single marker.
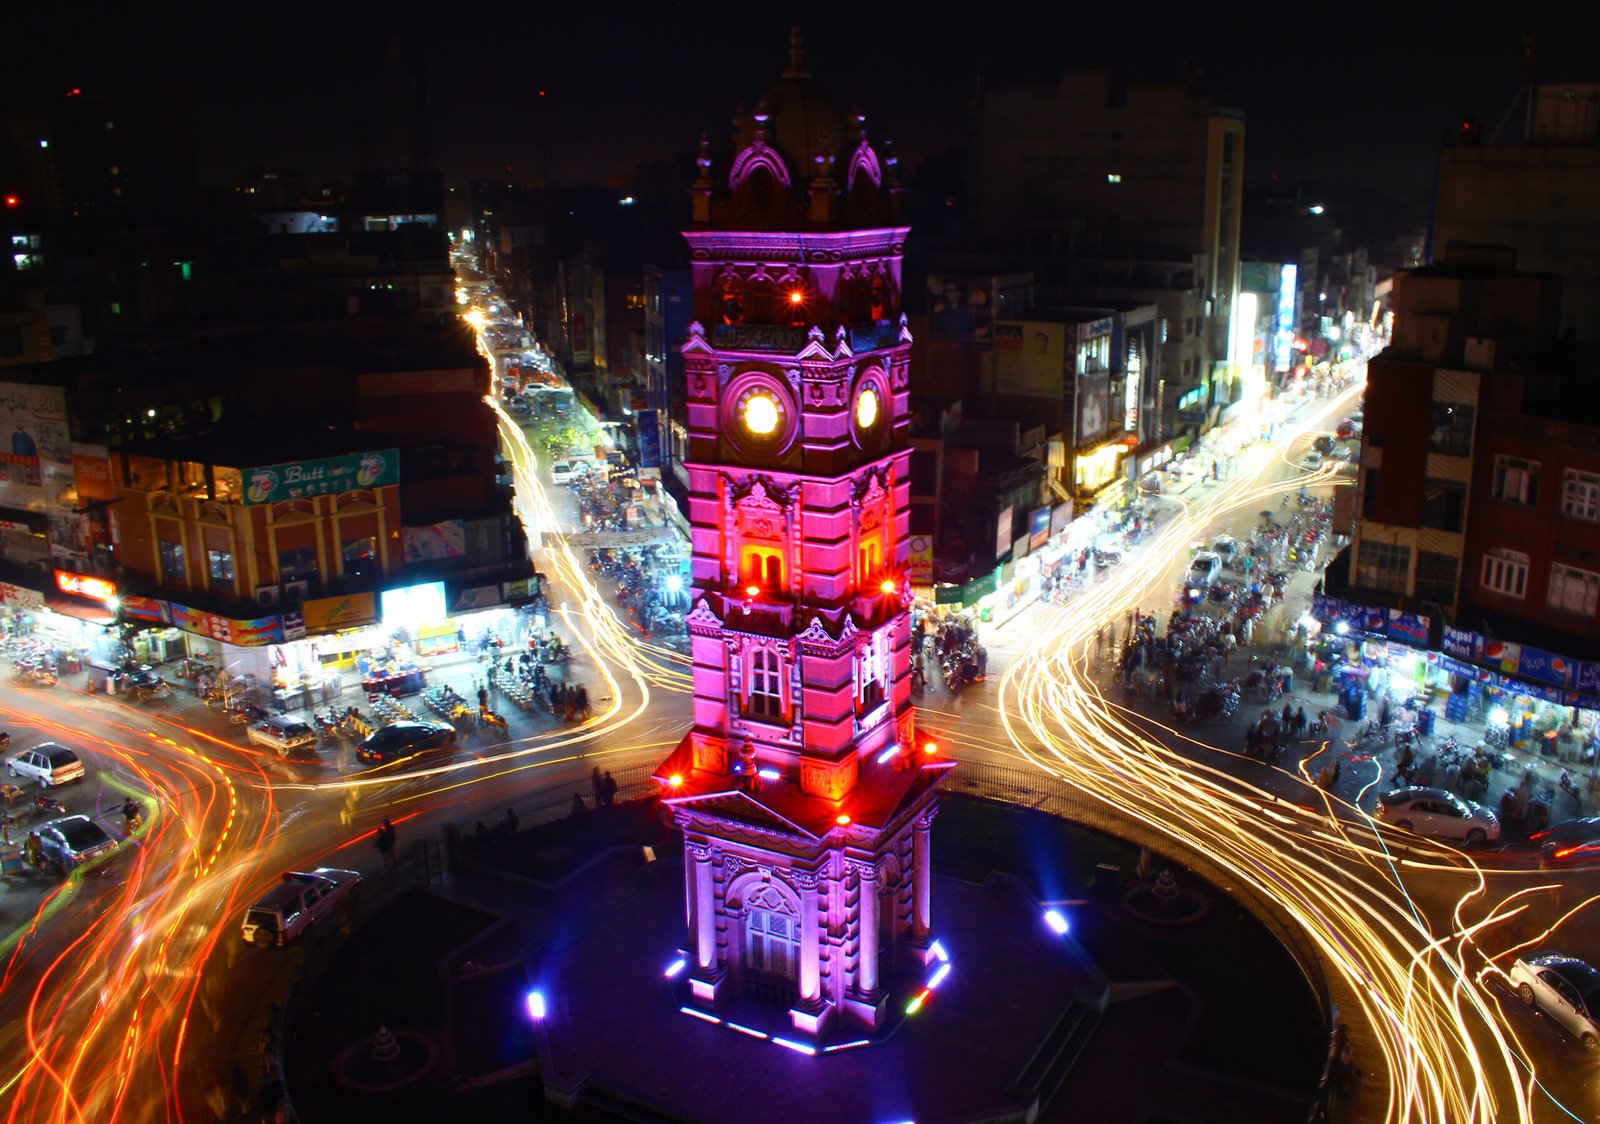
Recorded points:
(49, 763)
(1205, 569)
(1566, 989)
(289, 736)
(1439, 813)
(565, 472)
(290, 910)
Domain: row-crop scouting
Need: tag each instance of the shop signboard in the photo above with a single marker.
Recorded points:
(31, 599)
(294, 625)
(1411, 628)
(84, 585)
(1002, 531)
(649, 439)
(947, 595)
(979, 588)
(328, 476)
(1502, 655)
(1459, 642)
(1588, 678)
(200, 622)
(1544, 667)
(1038, 528)
(255, 633)
(330, 614)
(521, 590)
(91, 468)
(919, 563)
(144, 609)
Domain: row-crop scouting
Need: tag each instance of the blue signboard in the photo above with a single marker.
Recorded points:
(1408, 627)
(649, 439)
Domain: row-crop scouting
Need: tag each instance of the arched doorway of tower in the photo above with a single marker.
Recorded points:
(770, 948)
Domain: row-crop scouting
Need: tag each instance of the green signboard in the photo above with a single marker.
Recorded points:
(301, 480)
(979, 588)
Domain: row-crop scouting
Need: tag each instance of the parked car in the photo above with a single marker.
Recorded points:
(1439, 813)
(1225, 547)
(405, 739)
(1323, 443)
(289, 736)
(565, 472)
(1204, 569)
(1312, 460)
(1566, 989)
(290, 911)
(49, 763)
(71, 841)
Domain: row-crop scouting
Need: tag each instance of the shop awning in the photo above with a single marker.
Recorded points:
(21, 519)
(83, 610)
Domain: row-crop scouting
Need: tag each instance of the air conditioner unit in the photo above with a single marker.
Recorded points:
(295, 593)
(267, 596)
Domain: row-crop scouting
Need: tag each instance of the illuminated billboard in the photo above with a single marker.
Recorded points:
(1283, 328)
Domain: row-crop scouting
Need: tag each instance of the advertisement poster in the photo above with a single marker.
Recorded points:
(1030, 358)
(1002, 532)
(447, 539)
(961, 311)
(91, 468)
(144, 609)
(1094, 393)
(328, 476)
(919, 565)
(330, 614)
(1038, 528)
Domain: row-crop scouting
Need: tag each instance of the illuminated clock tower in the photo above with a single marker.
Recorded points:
(804, 792)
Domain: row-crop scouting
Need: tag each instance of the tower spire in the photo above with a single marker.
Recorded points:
(797, 54)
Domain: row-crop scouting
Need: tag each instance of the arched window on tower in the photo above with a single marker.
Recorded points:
(764, 697)
(868, 563)
(871, 674)
(762, 567)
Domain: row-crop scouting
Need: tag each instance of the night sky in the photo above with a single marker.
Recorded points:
(1337, 92)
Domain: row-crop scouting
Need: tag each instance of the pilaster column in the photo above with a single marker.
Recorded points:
(867, 973)
(705, 900)
(810, 972)
(690, 866)
(922, 878)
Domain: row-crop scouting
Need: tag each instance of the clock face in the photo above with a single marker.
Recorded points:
(760, 415)
(866, 408)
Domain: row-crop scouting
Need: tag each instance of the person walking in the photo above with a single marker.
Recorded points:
(385, 844)
(596, 785)
(608, 789)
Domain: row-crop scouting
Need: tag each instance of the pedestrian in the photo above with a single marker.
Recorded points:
(1100, 644)
(483, 698)
(578, 806)
(1286, 719)
(1299, 721)
(384, 841)
(595, 785)
(608, 789)
(33, 850)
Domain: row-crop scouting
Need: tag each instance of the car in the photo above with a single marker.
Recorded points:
(405, 739)
(1566, 989)
(1438, 813)
(1204, 569)
(565, 472)
(290, 910)
(49, 763)
(1568, 842)
(1346, 453)
(1323, 444)
(1225, 547)
(1350, 427)
(289, 736)
(72, 841)
(1312, 460)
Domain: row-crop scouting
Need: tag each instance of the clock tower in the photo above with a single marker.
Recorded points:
(804, 792)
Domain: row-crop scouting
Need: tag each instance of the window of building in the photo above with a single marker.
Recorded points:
(867, 563)
(772, 943)
(297, 564)
(1443, 505)
(171, 561)
(1451, 430)
(1371, 478)
(1516, 480)
(870, 690)
(765, 697)
(58, 337)
(1580, 495)
(219, 564)
(1437, 576)
(1505, 571)
(1385, 566)
(762, 566)
(360, 556)
(1573, 590)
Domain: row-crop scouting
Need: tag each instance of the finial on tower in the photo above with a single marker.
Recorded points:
(797, 55)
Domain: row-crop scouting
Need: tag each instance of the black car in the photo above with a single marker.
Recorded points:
(405, 739)
(72, 841)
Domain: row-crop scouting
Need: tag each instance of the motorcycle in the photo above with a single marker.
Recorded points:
(50, 804)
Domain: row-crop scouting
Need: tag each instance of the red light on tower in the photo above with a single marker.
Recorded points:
(796, 297)
(12, 201)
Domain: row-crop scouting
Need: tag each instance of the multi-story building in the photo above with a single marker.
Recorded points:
(1431, 500)
(1140, 189)
(1540, 197)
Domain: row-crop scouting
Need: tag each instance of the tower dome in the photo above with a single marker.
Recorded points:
(804, 124)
